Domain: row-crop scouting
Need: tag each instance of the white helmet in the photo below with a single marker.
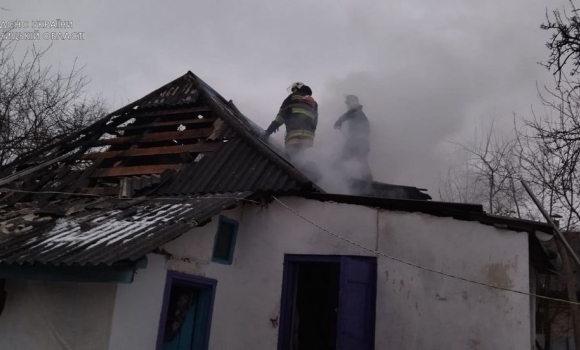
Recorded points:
(296, 85)
(353, 99)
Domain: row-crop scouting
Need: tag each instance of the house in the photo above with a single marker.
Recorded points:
(168, 224)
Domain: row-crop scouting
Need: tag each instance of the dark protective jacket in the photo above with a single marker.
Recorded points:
(357, 143)
(299, 112)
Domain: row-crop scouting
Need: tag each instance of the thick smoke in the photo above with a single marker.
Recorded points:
(425, 87)
(424, 70)
(324, 165)
(409, 121)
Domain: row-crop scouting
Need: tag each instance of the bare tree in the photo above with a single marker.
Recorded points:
(489, 175)
(39, 104)
(564, 44)
(554, 150)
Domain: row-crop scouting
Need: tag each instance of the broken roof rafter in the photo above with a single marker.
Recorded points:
(129, 150)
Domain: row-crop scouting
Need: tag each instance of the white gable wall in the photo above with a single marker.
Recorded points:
(415, 309)
(423, 310)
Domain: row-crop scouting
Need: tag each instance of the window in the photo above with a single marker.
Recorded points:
(186, 314)
(328, 302)
(225, 241)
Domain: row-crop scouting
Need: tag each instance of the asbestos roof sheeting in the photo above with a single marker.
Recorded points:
(237, 166)
(116, 232)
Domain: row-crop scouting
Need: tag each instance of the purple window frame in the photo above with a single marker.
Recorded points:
(174, 277)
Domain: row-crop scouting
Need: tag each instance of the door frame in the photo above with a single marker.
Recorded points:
(183, 279)
(289, 287)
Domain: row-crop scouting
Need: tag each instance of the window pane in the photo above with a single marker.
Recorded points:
(223, 243)
(181, 315)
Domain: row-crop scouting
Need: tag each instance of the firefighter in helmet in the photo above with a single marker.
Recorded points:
(299, 112)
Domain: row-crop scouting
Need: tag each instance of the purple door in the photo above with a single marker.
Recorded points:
(356, 312)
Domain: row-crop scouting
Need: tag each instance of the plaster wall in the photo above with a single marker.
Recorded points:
(416, 309)
(56, 316)
(138, 308)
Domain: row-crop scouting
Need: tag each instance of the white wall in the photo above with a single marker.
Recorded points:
(422, 310)
(415, 309)
(56, 316)
(138, 308)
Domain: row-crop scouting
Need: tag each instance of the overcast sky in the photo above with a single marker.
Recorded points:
(425, 71)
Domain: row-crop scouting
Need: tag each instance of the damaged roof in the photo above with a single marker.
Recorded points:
(94, 197)
(102, 231)
(181, 130)
(145, 174)
(383, 190)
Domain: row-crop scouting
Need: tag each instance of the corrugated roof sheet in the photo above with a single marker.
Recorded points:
(235, 167)
(102, 231)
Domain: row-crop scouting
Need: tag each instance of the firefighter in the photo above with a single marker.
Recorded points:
(357, 147)
(299, 112)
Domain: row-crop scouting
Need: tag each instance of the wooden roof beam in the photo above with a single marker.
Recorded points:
(151, 151)
(159, 136)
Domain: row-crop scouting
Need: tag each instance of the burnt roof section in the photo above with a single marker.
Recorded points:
(93, 197)
(384, 190)
(102, 231)
(183, 138)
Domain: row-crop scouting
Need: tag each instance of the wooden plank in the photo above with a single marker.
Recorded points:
(101, 191)
(198, 147)
(135, 144)
(171, 111)
(134, 170)
(218, 128)
(168, 123)
(159, 136)
(25, 172)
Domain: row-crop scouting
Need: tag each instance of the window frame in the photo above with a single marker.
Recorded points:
(224, 219)
(183, 279)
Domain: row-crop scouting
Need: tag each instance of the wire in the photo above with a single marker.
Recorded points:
(53, 192)
(422, 267)
(115, 197)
